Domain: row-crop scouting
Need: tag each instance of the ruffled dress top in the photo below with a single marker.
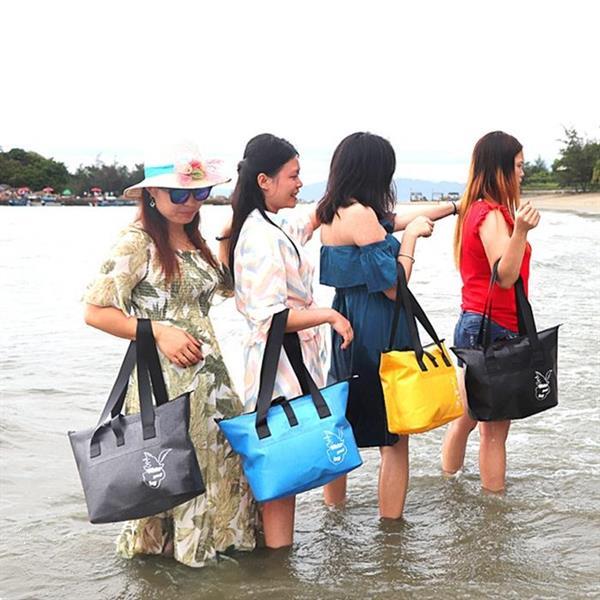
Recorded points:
(360, 274)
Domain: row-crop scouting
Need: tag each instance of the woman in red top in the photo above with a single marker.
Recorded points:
(492, 225)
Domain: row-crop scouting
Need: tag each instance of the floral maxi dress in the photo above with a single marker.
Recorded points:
(224, 516)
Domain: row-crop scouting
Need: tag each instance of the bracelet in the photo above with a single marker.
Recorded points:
(455, 210)
(222, 238)
(407, 256)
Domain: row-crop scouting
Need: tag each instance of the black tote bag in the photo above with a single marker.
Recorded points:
(138, 465)
(512, 378)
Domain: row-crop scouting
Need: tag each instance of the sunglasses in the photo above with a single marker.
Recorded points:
(180, 195)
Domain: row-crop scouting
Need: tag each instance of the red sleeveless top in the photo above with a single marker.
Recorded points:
(475, 269)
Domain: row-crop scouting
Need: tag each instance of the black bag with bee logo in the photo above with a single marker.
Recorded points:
(512, 378)
(138, 465)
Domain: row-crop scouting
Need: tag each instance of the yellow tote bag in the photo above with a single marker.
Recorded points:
(419, 384)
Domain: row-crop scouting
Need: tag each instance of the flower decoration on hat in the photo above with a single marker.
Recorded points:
(192, 170)
(198, 170)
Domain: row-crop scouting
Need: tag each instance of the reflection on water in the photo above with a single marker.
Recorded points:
(541, 539)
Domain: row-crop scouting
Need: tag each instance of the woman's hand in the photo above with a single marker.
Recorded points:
(343, 327)
(420, 227)
(527, 218)
(181, 348)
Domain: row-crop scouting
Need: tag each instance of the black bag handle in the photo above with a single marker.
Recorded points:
(525, 314)
(426, 323)
(116, 398)
(144, 389)
(484, 336)
(145, 337)
(267, 372)
(275, 341)
(403, 301)
(142, 353)
(293, 349)
(414, 312)
(525, 317)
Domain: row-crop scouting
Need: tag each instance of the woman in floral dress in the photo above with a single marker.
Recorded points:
(273, 273)
(161, 269)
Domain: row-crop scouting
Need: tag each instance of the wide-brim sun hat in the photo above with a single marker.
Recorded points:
(190, 173)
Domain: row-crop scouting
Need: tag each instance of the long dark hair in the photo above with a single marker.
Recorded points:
(362, 170)
(155, 225)
(491, 177)
(264, 153)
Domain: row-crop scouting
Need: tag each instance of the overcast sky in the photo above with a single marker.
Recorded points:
(124, 79)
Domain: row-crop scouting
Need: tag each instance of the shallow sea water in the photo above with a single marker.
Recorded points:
(540, 540)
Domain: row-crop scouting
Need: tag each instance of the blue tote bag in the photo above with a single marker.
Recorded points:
(290, 446)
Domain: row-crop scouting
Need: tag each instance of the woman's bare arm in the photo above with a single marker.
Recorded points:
(499, 243)
(177, 345)
(434, 212)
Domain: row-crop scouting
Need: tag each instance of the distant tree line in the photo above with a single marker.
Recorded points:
(577, 167)
(111, 178)
(21, 168)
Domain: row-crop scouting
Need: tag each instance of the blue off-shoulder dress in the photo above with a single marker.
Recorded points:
(360, 274)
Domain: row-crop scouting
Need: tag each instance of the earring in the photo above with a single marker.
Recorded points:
(152, 203)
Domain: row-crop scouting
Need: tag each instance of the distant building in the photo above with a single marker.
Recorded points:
(417, 197)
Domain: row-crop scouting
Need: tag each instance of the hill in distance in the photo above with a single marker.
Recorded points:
(314, 191)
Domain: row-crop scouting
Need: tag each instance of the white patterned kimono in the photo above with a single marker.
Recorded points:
(270, 277)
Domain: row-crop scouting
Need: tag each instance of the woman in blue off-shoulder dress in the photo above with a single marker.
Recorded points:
(360, 258)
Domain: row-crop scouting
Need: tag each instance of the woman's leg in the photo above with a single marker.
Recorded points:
(278, 522)
(334, 493)
(393, 479)
(455, 440)
(492, 454)
(492, 438)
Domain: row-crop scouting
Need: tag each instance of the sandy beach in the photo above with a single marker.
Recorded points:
(583, 204)
(588, 204)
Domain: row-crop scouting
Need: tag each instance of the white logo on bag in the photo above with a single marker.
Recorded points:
(542, 385)
(154, 468)
(336, 447)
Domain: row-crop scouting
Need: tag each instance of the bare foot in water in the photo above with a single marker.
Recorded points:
(449, 475)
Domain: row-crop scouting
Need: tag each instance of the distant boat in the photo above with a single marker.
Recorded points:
(110, 200)
(19, 201)
(34, 200)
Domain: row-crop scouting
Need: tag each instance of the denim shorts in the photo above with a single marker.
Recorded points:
(467, 330)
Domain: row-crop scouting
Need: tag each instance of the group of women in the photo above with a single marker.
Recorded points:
(162, 269)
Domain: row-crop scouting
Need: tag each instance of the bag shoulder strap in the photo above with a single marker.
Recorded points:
(148, 344)
(422, 317)
(293, 349)
(524, 314)
(143, 354)
(268, 370)
(413, 311)
(484, 337)
(116, 398)
(277, 339)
